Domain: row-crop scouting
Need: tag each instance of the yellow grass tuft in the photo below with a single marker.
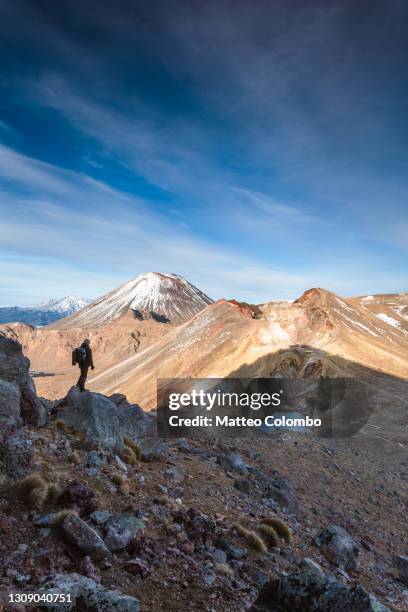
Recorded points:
(240, 529)
(269, 534)
(129, 456)
(34, 490)
(256, 542)
(133, 446)
(60, 516)
(118, 479)
(252, 539)
(74, 458)
(225, 569)
(53, 493)
(280, 527)
(63, 426)
(164, 500)
(124, 489)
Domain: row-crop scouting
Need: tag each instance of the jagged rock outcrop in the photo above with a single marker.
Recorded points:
(18, 398)
(104, 421)
(93, 415)
(311, 589)
(134, 422)
(87, 595)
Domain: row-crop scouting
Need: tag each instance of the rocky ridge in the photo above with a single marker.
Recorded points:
(123, 520)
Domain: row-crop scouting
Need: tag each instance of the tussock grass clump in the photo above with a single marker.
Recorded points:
(61, 516)
(124, 489)
(164, 500)
(133, 446)
(53, 492)
(34, 490)
(62, 426)
(253, 540)
(256, 542)
(239, 529)
(269, 534)
(74, 458)
(225, 569)
(121, 483)
(118, 479)
(129, 456)
(281, 528)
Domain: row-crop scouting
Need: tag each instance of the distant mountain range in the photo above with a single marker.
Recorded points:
(159, 326)
(45, 312)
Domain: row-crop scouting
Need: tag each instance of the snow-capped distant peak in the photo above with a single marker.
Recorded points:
(66, 305)
(45, 313)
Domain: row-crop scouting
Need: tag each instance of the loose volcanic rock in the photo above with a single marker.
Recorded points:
(93, 415)
(120, 529)
(310, 589)
(76, 493)
(87, 595)
(401, 563)
(83, 536)
(338, 546)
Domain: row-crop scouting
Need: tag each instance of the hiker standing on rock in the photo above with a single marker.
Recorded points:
(83, 357)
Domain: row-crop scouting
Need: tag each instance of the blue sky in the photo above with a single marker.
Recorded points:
(256, 148)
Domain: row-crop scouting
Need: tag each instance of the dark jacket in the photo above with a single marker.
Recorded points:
(88, 361)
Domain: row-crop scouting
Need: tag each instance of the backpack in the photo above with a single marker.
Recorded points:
(79, 356)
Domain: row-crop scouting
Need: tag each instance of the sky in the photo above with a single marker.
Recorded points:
(257, 148)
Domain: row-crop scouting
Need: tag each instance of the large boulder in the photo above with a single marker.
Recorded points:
(338, 546)
(105, 421)
(14, 370)
(87, 595)
(95, 416)
(311, 589)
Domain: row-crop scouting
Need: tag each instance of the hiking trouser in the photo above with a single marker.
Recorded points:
(82, 379)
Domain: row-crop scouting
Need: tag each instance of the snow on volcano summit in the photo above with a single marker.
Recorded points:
(168, 295)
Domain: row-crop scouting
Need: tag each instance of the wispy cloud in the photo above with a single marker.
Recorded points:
(109, 236)
(254, 149)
